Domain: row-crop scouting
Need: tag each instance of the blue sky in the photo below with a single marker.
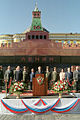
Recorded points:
(58, 16)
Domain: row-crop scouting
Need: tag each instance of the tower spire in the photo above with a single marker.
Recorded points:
(36, 8)
(36, 20)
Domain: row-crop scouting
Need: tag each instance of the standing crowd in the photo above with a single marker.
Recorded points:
(72, 76)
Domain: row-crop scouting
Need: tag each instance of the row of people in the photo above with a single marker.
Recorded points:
(53, 76)
(70, 76)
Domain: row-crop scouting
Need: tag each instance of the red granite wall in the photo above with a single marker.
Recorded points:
(40, 47)
(37, 47)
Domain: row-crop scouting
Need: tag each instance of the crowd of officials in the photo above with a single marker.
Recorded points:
(26, 76)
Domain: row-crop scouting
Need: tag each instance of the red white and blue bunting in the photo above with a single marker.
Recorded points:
(65, 109)
(13, 110)
(44, 108)
(35, 109)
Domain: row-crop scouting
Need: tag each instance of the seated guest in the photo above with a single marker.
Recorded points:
(32, 74)
(62, 75)
(18, 74)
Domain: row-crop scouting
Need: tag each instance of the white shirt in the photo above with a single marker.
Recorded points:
(62, 75)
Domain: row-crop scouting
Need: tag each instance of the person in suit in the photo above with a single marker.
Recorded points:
(18, 74)
(1, 77)
(14, 71)
(47, 75)
(72, 70)
(25, 75)
(7, 76)
(76, 78)
(39, 70)
(54, 75)
(62, 75)
(69, 75)
(32, 74)
(47, 72)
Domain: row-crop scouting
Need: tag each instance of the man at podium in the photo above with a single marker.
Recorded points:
(40, 84)
(39, 70)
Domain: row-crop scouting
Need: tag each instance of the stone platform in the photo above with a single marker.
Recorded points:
(70, 103)
(31, 105)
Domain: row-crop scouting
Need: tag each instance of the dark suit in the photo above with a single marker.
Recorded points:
(69, 76)
(76, 76)
(47, 75)
(54, 76)
(1, 78)
(37, 72)
(8, 74)
(18, 75)
(32, 75)
(25, 76)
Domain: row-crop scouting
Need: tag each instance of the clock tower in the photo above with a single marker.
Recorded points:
(36, 20)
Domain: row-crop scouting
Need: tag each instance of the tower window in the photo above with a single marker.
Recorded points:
(32, 36)
(38, 14)
(38, 27)
(28, 36)
(34, 27)
(34, 14)
(44, 36)
(37, 37)
(40, 36)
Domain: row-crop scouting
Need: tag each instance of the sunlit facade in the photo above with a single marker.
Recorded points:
(69, 38)
(64, 38)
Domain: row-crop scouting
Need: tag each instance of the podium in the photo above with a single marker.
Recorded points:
(40, 85)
